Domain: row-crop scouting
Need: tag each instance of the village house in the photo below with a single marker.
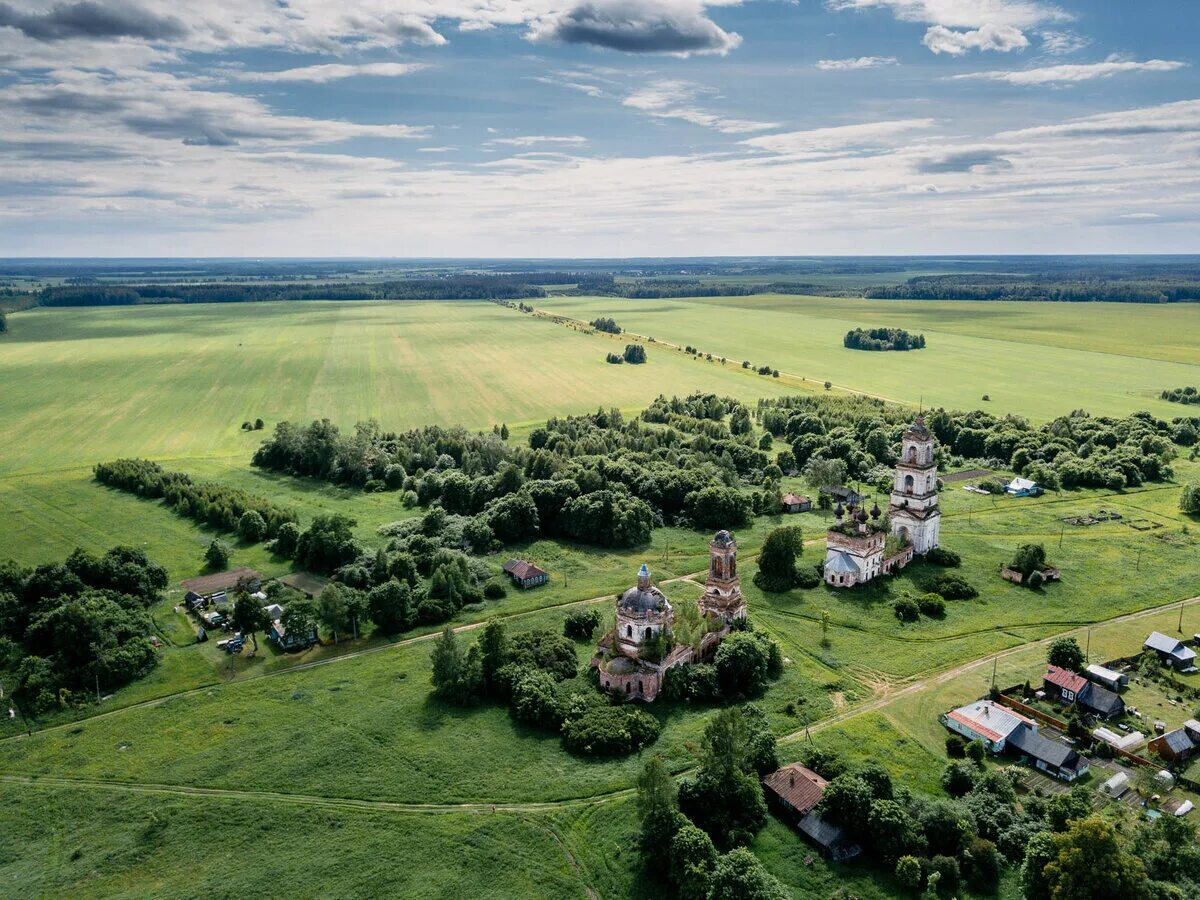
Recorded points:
(1072, 689)
(794, 792)
(633, 659)
(795, 503)
(207, 590)
(1023, 487)
(291, 640)
(1173, 652)
(843, 495)
(1175, 746)
(1004, 730)
(525, 574)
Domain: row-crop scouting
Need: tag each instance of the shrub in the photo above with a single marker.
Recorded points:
(958, 778)
(950, 874)
(976, 752)
(217, 555)
(906, 609)
(932, 605)
(252, 527)
(581, 624)
(908, 872)
(956, 746)
(609, 731)
(953, 587)
(807, 577)
(635, 354)
(940, 556)
(494, 590)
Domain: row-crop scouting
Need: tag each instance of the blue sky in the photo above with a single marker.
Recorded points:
(597, 127)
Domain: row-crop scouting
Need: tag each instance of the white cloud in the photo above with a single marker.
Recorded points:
(1068, 73)
(1002, 38)
(1182, 117)
(532, 140)
(1062, 43)
(321, 74)
(674, 99)
(863, 136)
(958, 26)
(857, 62)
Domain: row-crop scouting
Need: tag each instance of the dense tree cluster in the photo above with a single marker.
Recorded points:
(635, 354)
(722, 806)
(1065, 289)
(3, 322)
(1075, 450)
(614, 359)
(607, 325)
(777, 569)
(1185, 395)
(72, 628)
(216, 505)
(596, 479)
(744, 665)
(882, 339)
(535, 674)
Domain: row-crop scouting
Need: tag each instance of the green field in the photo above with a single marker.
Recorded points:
(216, 776)
(1038, 360)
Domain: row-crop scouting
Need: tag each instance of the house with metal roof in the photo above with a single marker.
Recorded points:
(794, 792)
(986, 721)
(1109, 678)
(1175, 653)
(525, 574)
(1073, 689)
(1023, 487)
(1174, 746)
(1049, 756)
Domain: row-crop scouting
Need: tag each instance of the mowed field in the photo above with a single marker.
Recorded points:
(334, 772)
(82, 385)
(1039, 360)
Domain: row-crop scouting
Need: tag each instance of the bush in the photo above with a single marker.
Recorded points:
(932, 605)
(906, 609)
(908, 872)
(940, 556)
(956, 746)
(635, 354)
(976, 752)
(252, 527)
(742, 664)
(217, 556)
(609, 731)
(958, 778)
(953, 587)
(807, 577)
(494, 590)
(581, 624)
(947, 868)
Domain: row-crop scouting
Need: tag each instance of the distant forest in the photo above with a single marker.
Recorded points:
(1067, 290)
(82, 282)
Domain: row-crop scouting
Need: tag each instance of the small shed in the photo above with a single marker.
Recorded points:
(1174, 746)
(1112, 680)
(795, 503)
(525, 574)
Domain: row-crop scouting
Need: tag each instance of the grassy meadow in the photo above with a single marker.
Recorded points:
(335, 767)
(1039, 360)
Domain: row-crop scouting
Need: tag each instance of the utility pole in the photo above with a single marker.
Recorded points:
(995, 662)
(1138, 566)
(1181, 603)
(1087, 653)
(1061, 532)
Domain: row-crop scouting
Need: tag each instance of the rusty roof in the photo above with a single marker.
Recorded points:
(798, 787)
(1065, 678)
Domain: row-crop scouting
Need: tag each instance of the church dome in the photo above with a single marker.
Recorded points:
(639, 600)
(723, 539)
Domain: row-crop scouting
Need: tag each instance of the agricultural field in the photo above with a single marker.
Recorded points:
(1109, 357)
(340, 758)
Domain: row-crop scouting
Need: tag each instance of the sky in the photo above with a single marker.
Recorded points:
(598, 128)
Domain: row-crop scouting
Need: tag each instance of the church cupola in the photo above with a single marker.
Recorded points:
(643, 578)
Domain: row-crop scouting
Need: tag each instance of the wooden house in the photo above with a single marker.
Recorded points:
(525, 574)
(795, 503)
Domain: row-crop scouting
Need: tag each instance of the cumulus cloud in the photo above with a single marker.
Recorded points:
(91, 20)
(857, 62)
(673, 99)
(679, 27)
(963, 161)
(1068, 73)
(1002, 38)
(958, 26)
(321, 74)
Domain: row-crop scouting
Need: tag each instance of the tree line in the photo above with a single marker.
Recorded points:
(1185, 395)
(1064, 289)
(254, 518)
(882, 339)
(71, 630)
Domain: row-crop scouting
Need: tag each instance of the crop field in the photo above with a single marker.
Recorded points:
(214, 773)
(1112, 357)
